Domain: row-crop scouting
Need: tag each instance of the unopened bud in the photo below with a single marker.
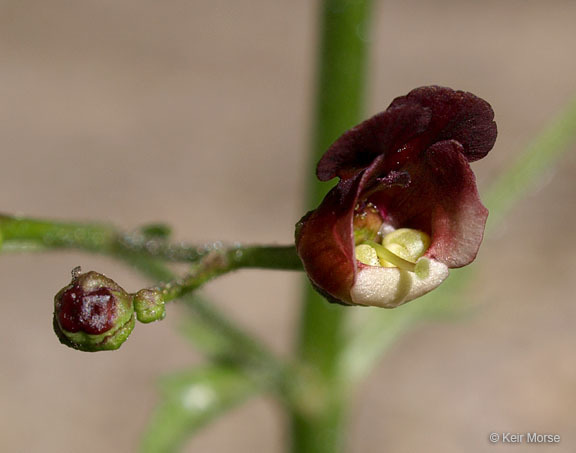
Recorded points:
(149, 305)
(93, 313)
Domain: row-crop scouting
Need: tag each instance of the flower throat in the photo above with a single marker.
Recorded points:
(379, 244)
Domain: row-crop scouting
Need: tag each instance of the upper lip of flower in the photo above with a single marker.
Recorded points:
(412, 163)
(410, 125)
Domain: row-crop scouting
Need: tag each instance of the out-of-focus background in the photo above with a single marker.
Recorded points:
(197, 114)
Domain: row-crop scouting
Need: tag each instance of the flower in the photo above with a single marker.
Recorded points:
(406, 207)
(93, 313)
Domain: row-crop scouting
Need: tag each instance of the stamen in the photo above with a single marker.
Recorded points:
(400, 248)
(390, 257)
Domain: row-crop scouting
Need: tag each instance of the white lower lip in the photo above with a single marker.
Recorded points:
(390, 287)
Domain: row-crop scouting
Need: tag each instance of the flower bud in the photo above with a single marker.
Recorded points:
(149, 305)
(93, 313)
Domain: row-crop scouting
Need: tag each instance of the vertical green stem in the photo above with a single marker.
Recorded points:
(319, 427)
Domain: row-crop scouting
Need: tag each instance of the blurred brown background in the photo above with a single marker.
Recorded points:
(197, 114)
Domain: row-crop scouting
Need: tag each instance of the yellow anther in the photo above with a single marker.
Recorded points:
(367, 255)
(407, 243)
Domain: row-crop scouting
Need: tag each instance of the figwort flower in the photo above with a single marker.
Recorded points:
(93, 313)
(406, 207)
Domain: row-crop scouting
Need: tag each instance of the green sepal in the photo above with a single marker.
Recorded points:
(93, 343)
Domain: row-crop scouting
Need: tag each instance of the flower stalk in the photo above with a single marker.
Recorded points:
(224, 260)
(234, 344)
(208, 261)
(28, 234)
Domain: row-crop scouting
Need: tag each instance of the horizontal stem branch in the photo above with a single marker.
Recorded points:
(26, 234)
(222, 261)
(234, 345)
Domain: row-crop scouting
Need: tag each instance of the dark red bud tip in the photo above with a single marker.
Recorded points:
(93, 313)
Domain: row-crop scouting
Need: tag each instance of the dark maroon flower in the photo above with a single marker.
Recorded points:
(406, 208)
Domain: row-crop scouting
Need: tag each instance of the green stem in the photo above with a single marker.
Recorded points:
(319, 428)
(220, 262)
(23, 234)
(209, 262)
(234, 345)
(26, 234)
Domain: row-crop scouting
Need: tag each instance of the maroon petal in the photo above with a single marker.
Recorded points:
(455, 115)
(324, 241)
(442, 200)
(384, 133)
(458, 216)
(410, 125)
(325, 237)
